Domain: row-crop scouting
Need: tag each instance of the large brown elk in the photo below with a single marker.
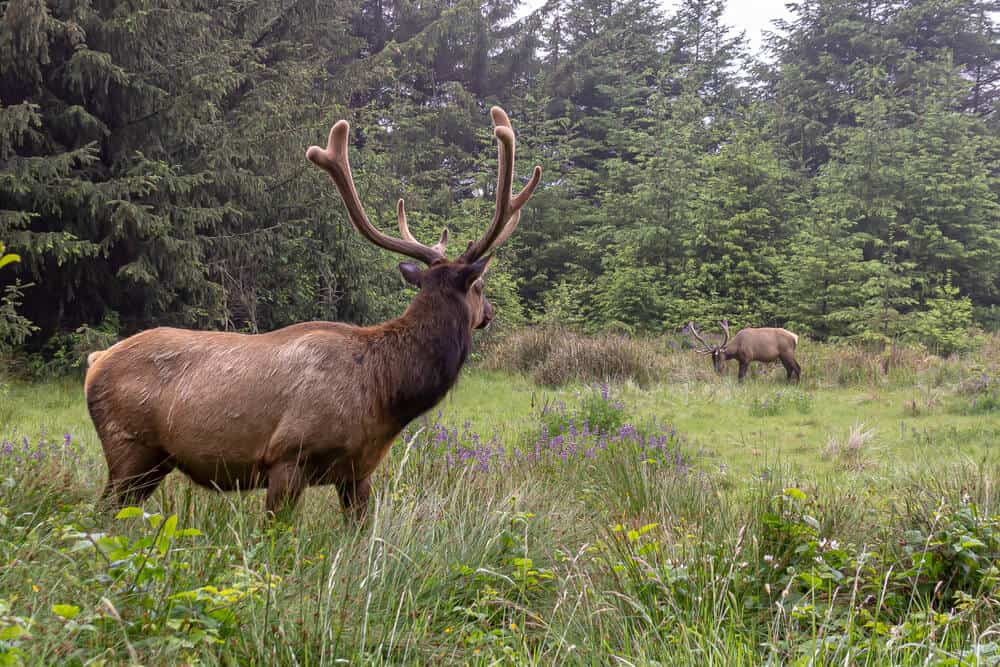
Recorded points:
(765, 344)
(313, 403)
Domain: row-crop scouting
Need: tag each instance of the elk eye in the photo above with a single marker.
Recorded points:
(478, 286)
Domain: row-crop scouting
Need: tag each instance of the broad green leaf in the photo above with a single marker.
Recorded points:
(13, 632)
(129, 512)
(797, 494)
(67, 611)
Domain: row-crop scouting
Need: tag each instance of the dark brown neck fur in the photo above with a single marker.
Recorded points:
(424, 351)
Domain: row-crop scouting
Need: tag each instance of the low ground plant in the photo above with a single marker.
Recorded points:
(980, 395)
(853, 451)
(780, 402)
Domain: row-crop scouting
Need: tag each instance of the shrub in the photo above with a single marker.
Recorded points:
(608, 358)
(554, 356)
(525, 350)
(14, 327)
(66, 353)
(984, 391)
(598, 412)
(946, 325)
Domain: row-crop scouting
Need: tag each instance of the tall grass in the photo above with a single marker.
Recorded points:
(595, 529)
(555, 356)
(618, 562)
(552, 356)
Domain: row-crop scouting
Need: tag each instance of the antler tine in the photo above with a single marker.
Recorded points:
(725, 327)
(334, 161)
(404, 230)
(694, 332)
(508, 208)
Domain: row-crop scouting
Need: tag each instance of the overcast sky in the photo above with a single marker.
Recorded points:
(753, 16)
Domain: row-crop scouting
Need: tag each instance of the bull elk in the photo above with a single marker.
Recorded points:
(765, 344)
(315, 402)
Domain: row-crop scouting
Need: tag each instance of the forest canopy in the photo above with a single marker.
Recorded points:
(843, 182)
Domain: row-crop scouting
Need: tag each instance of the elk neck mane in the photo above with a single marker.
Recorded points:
(422, 352)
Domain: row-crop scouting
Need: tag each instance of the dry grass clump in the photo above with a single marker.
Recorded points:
(853, 452)
(555, 356)
(849, 364)
(524, 350)
(609, 358)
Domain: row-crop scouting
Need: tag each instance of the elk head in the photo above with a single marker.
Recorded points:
(462, 276)
(718, 352)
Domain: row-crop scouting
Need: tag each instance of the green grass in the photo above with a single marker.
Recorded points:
(783, 538)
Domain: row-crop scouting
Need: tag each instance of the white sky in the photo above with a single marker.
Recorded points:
(753, 16)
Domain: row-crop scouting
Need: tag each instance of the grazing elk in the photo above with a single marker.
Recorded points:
(766, 344)
(313, 403)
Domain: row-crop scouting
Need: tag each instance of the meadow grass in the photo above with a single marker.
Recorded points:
(850, 520)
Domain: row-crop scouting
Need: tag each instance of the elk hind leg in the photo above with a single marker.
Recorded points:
(792, 368)
(354, 497)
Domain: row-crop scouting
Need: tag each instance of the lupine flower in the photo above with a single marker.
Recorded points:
(563, 437)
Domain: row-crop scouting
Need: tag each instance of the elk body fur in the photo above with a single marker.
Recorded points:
(763, 344)
(313, 403)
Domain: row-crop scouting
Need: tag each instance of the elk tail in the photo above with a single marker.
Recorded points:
(94, 356)
(795, 338)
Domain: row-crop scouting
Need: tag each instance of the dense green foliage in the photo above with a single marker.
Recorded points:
(844, 184)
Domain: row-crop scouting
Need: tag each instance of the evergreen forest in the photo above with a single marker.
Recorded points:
(842, 181)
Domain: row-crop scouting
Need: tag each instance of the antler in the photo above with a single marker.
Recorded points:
(508, 210)
(404, 231)
(694, 332)
(725, 327)
(333, 160)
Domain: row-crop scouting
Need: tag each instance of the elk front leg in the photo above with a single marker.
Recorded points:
(354, 497)
(132, 484)
(135, 469)
(285, 482)
(744, 366)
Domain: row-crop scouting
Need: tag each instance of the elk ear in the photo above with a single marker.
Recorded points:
(474, 271)
(411, 273)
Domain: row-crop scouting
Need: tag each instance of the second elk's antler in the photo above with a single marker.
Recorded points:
(707, 349)
(333, 159)
(725, 327)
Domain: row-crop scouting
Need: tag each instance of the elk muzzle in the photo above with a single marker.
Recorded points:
(487, 315)
(718, 357)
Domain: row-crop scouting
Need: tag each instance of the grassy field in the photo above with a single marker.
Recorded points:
(677, 518)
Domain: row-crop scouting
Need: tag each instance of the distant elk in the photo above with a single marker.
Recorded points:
(313, 403)
(765, 344)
